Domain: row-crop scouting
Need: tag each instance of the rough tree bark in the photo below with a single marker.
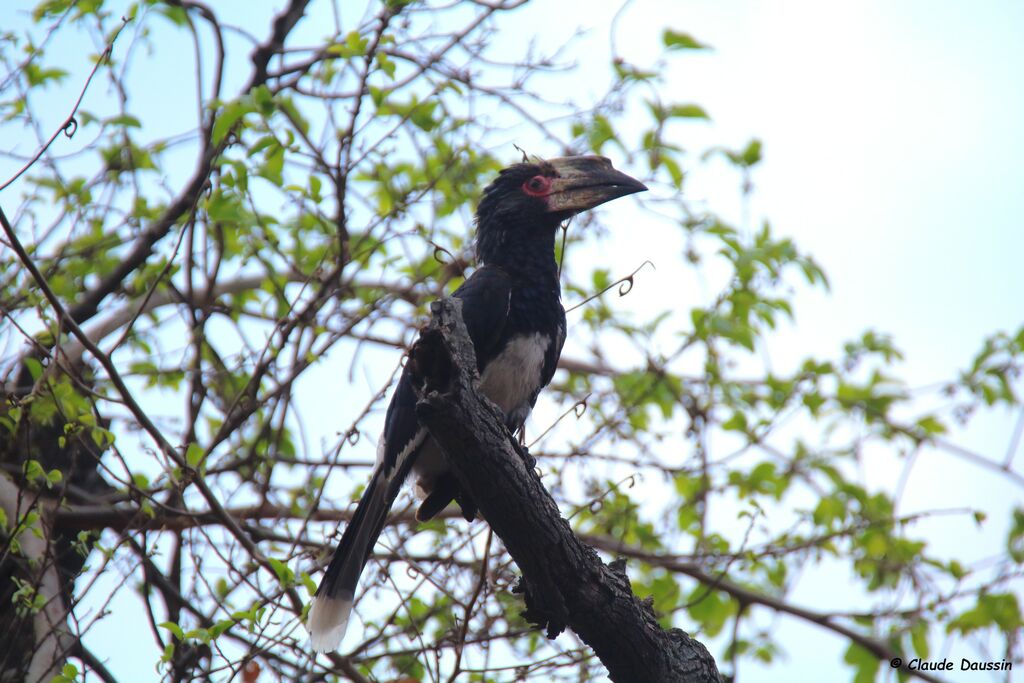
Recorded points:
(34, 645)
(565, 583)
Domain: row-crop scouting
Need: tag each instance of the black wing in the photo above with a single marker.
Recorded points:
(485, 302)
(553, 354)
(485, 297)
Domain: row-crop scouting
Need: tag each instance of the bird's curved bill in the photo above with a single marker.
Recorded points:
(584, 182)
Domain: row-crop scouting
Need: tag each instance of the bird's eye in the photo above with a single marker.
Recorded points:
(537, 185)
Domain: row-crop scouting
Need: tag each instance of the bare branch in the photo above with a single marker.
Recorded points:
(746, 596)
(564, 581)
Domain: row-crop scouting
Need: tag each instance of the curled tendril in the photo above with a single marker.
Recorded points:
(625, 286)
(353, 437)
(581, 407)
(595, 506)
(626, 283)
(70, 126)
(412, 572)
(438, 251)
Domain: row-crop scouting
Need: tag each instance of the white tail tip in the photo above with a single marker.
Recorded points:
(327, 620)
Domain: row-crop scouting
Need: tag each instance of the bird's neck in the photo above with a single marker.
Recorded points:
(526, 253)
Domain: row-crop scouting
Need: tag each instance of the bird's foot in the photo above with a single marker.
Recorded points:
(528, 460)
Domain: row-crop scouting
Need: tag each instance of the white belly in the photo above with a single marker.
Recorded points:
(511, 378)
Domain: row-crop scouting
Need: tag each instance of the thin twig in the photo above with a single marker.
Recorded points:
(70, 125)
(480, 583)
(624, 284)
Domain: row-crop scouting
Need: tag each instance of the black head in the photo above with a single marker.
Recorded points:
(527, 202)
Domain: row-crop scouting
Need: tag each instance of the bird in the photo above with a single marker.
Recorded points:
(511, 305)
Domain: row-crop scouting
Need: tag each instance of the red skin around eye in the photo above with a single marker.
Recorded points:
(537, 186)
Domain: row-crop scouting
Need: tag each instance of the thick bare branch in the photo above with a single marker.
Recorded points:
(746, 596)
(564, 581)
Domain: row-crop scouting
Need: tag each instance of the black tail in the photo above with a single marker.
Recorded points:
(329, 612)
(332, 603)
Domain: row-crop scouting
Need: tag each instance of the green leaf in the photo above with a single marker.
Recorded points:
(677, 40)
(864, 663)
(50, 8)
(54, 477)
(229, 115)
(627, 72)
(308, 582)
(930, 426)
(993, 610)
(200, 634)
(285, 575)
(174, 629)
(287, 105)
(354, 45)
(687, 111)
(377, 96)
(828, 510)
(599, 132)
(273, 165)
(1015, 538)
(919, 638)
(675, 171)
(37, 75)
(35, 368)
(751, 154)
(736, 423)
(956, 570)
(386, 64)
(175, 14)
(220, 627)
(125, 120)
(33, 470)
(194, 454)
(710, 608)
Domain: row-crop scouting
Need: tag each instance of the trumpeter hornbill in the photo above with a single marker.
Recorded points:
(512, 309)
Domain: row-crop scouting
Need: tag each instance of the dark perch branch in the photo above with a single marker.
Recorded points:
(565, 583)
